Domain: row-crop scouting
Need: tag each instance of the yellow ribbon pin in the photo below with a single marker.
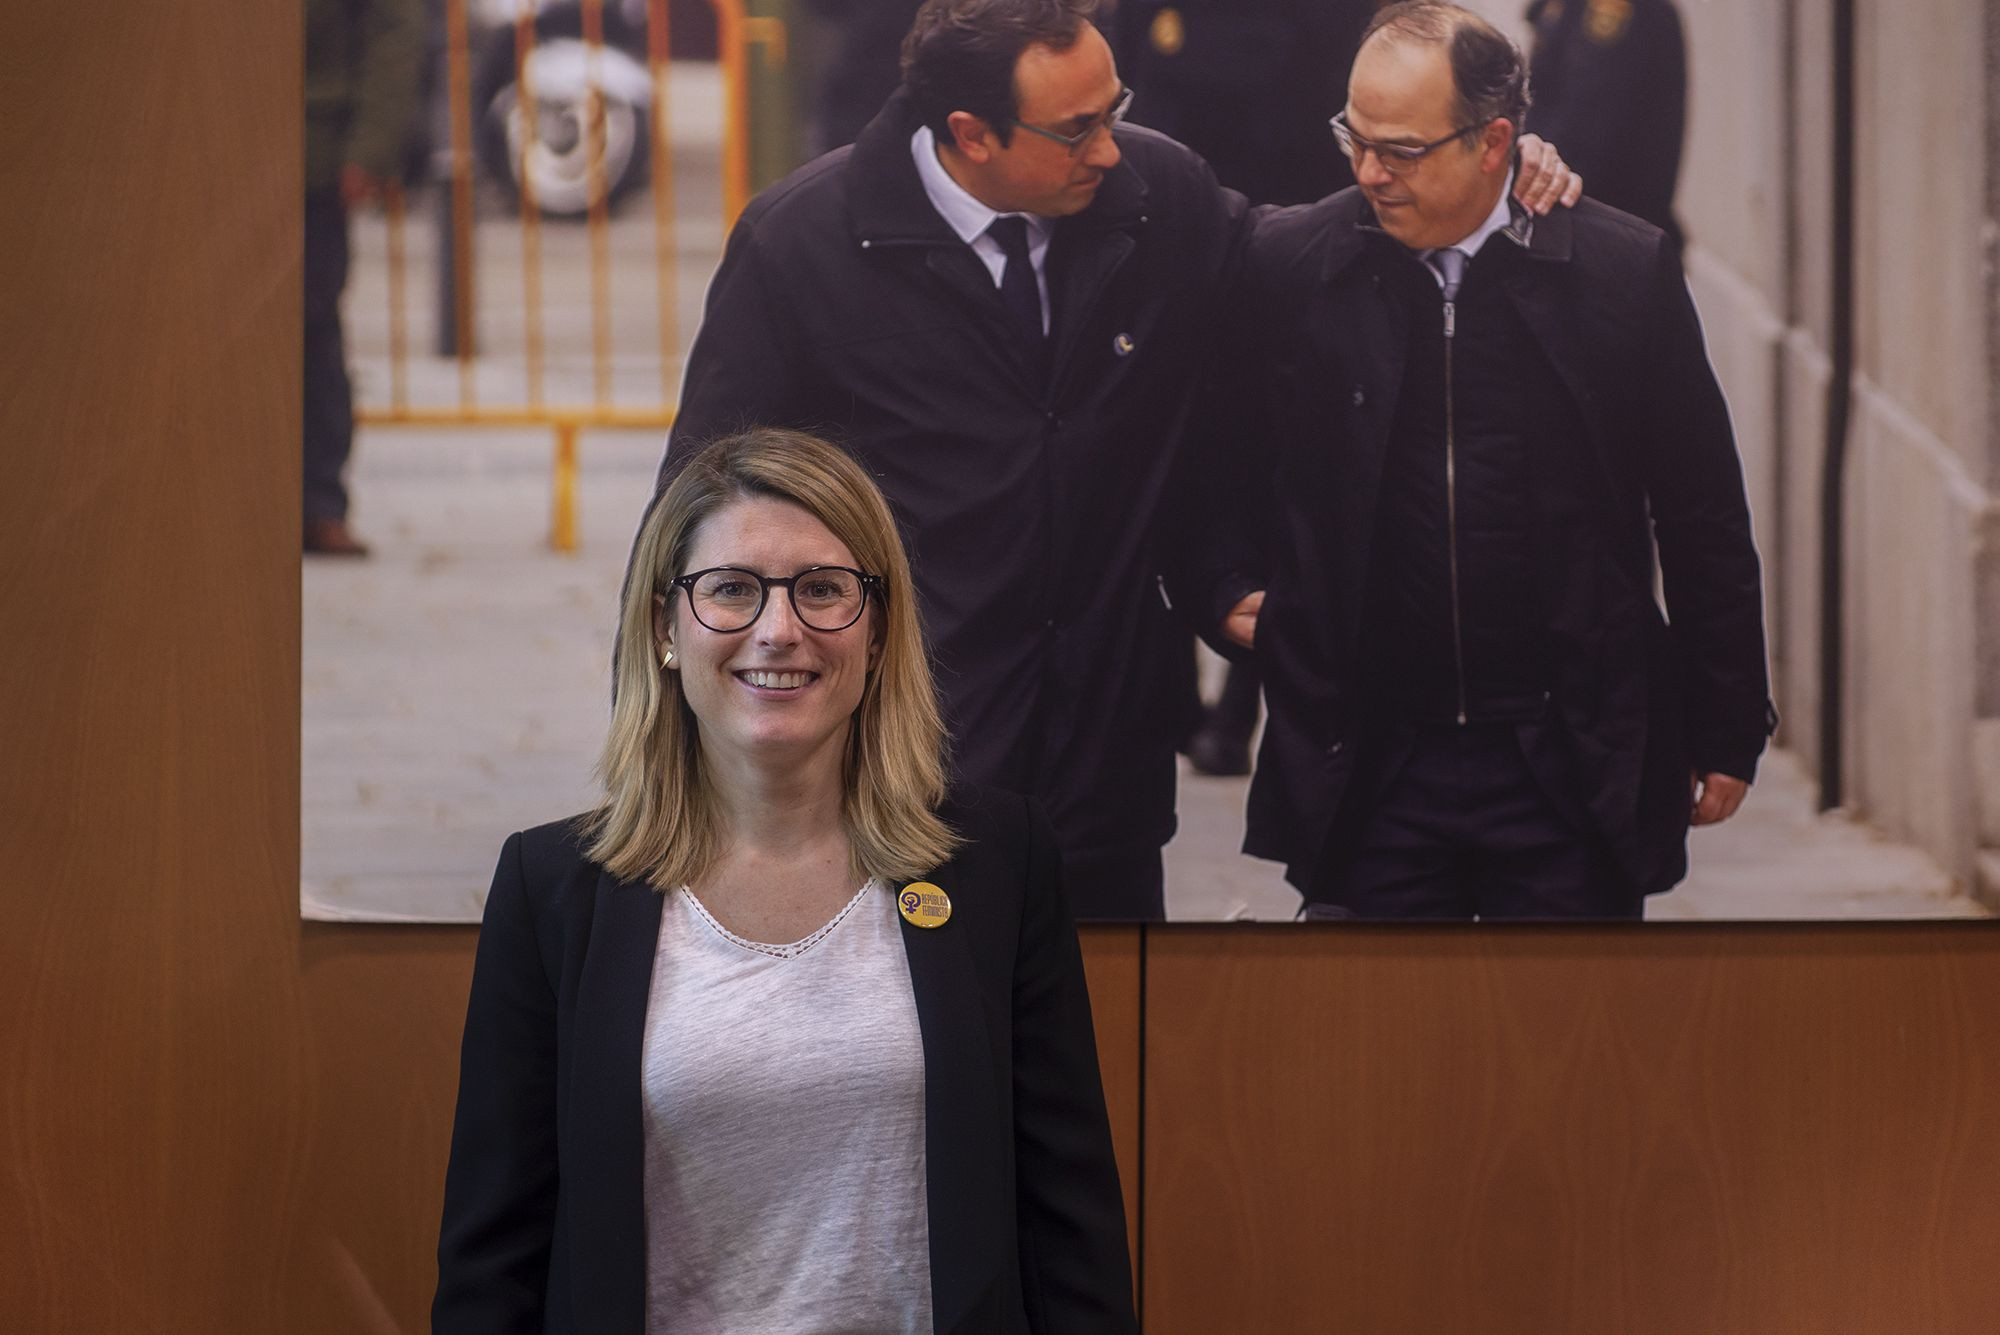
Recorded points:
(923, 905)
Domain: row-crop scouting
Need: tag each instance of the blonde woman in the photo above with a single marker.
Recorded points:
(781, 1037)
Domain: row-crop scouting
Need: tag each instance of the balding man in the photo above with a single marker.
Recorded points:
(1483, 425)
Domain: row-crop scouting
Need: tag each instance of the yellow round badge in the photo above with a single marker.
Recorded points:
(924, 905)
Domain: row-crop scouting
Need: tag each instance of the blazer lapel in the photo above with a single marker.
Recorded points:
(965, 1188)
(603, 1147)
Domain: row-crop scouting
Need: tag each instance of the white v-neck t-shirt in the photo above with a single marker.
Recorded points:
(783, 1093)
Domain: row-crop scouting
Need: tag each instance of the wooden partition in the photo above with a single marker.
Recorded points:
(1522, 1131)
(214, 1118)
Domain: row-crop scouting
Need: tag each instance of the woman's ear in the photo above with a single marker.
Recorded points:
(663, 635)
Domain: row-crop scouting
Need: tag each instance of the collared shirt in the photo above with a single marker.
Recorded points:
(969, 218)
(1498, 220)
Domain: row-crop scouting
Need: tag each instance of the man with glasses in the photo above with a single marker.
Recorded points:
(1000, 299)
(1481, 424)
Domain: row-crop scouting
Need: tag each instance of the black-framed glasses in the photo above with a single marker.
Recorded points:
(824, 598)
(1396, 159)
(1075, 142)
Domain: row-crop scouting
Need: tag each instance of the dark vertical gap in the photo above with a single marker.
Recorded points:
(1839, 391)
(1139, 1194)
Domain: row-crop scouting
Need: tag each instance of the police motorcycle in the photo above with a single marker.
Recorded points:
(548, 142)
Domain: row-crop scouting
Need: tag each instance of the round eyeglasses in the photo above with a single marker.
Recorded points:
(824, 598)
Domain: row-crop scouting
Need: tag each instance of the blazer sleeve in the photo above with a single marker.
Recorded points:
(1075, 1267)
(500, 1186)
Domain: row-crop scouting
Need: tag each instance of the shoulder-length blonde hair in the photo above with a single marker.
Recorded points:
(657, 821)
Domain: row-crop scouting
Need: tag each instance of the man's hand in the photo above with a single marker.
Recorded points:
(1240, 626)
(1716, 797)
(1544, 178)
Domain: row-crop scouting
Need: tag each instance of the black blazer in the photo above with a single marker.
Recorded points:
(544, 1224)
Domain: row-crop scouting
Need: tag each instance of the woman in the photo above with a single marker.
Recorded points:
(707, 1084)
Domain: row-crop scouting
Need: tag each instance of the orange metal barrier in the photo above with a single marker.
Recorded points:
(601, 407)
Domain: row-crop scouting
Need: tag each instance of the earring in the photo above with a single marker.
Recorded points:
(667, 659)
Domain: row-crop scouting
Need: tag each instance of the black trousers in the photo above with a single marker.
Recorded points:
(329, 401)
(1124, 885)
(1463, 824)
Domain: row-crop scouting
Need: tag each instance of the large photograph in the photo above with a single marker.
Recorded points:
(1353, 463)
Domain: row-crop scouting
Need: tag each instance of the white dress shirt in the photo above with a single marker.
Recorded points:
(969, 218)
(1498, 220)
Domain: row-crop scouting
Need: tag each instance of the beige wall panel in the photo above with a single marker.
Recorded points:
(1737, 1132)
(1910, 647)
(1922, 160)
(1731, 194)
(1809, 304)
(1794, 572)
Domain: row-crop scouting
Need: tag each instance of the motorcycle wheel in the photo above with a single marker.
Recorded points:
(557, 160)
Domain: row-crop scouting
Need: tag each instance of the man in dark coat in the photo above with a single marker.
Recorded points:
(1611, 88)
(364, 65)
(1019, 390)
(1482, 426)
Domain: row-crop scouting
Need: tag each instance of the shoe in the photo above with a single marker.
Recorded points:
(332, 537)
(1219, 749)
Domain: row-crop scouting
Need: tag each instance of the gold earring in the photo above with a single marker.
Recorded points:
(667, 659)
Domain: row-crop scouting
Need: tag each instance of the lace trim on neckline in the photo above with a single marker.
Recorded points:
(790, 950)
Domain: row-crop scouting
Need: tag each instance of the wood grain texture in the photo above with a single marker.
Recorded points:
(156, 1095)
(386, 1006)
(1748, 1130)
(1111, 960)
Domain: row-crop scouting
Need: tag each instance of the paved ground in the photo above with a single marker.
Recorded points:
(456, 689)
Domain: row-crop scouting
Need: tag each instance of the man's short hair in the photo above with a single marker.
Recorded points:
(1488, 72)
(960, 55)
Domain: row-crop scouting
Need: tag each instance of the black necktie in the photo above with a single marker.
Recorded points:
(1018, 288)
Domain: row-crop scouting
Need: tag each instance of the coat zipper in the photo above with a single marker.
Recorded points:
(1451, 502)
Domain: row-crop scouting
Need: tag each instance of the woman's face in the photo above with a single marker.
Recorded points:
(778, 692)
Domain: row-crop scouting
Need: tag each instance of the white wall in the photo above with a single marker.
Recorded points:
(1922, 714)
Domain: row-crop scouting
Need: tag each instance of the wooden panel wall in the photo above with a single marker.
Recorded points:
(215, 1118)
(158, 1095)
(1745, 1131)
